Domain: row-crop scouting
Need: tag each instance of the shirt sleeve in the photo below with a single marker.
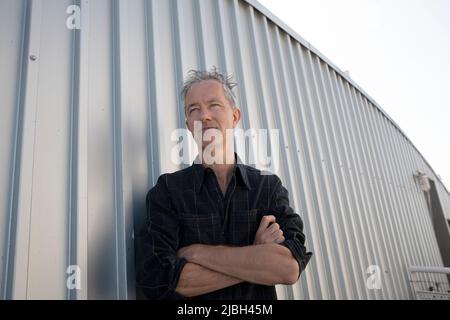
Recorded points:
(290, 223)
(158, 267)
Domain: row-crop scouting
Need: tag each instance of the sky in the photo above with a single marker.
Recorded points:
(397, 51)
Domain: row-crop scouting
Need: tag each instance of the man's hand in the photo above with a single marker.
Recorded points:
(268, 234)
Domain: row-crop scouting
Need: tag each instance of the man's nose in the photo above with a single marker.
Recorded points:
(205, 115)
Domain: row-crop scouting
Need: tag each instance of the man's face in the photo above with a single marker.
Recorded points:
(207, 103)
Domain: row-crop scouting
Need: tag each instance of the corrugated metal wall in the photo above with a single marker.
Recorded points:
(86, 122)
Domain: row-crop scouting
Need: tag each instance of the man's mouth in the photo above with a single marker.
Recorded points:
(207, 128)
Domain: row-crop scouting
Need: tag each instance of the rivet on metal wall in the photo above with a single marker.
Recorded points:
(33, 57)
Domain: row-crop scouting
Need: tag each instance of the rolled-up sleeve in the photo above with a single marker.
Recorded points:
(158, 267)
(290, 223)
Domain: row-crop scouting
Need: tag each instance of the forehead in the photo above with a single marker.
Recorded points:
(204, 91)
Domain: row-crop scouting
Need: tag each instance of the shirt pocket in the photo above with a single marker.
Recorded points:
(243, 226)
(199, 229)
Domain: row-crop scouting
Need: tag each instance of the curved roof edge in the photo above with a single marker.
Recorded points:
(258, 6)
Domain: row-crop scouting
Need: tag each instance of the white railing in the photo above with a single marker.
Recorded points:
(426, 289)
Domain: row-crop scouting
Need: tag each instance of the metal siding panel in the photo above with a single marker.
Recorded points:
(238, 67)
(13, 18)
(400, 203)
(409, 220)
(322, 159)
(246, 54)
(423, 222)
(391, 222)
(310, 210)
(350, 206)
(279, 121)
(51, 158)
(361, 171)
(11, 36)
(298, 169)
(121, 115)
(22, 207)
(78, 211)
(332, 163)
(346, 185)
(386, 221)
(165, 86)
(137, 156)
(206, 20)
(101, 171)
(445, 201)
(338, 186)
(178, 61)
(228, 25)
(259, 119)
(186, 33)
(369, 176)
(420, 220)
(359, 218)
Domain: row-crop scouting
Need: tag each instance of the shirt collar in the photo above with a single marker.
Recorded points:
(200, 170)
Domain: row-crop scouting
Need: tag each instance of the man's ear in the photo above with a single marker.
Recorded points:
(236, 116)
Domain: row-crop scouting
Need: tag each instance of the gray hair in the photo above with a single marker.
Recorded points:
(196, 76)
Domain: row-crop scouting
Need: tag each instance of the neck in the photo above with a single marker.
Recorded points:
(223, 167)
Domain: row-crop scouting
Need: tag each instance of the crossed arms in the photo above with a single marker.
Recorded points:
(211, 268)
(164, 271)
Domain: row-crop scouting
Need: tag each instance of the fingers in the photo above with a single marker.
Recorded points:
(278, 236)
(273, 228)
(270, 237)
(269, 233)
(275, 237)
(265, 221)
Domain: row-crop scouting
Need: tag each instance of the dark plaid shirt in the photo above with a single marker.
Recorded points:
(188, 207)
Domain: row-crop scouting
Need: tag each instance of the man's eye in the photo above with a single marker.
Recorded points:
(193, 109)
(216, 105)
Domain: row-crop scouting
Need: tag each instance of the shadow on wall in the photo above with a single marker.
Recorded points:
(140, 214)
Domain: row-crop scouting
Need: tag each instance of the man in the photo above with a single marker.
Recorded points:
(218, 229)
